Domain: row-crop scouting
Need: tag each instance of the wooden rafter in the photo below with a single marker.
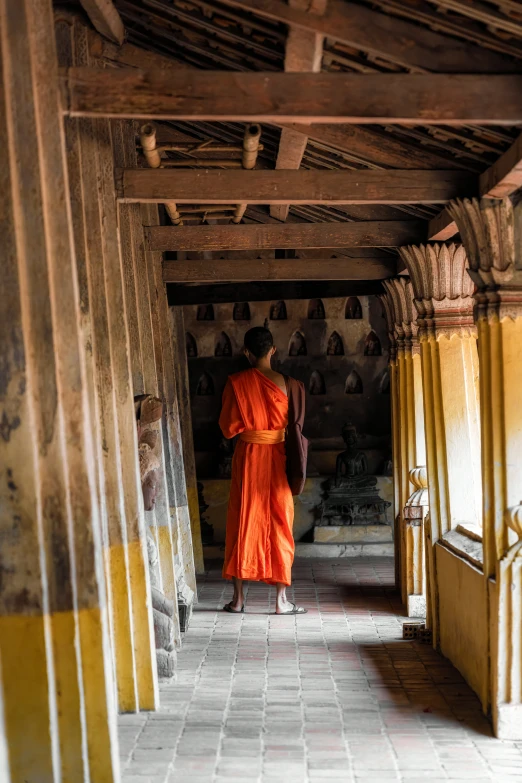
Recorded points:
(389, 37)
(389, 233)
(179, 294)
(105, 18)
(500, 180)
(243, 270)
(315, 186)
(286, 97)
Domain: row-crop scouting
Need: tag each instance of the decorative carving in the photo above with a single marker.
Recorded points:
(316, 310)
(205, 312)
(297, 345)
(205, 386)
(419, 497)
(353, 309)
(191, 346)
(352, 497)
(442, 287)
(335, 345)
(223, 346)
(278, 311)
(492, 233)
(241, 311)
(372, 345)
(513, 518)
(399, 292)
(316, 385)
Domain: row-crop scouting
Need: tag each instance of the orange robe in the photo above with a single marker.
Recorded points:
(259, 540)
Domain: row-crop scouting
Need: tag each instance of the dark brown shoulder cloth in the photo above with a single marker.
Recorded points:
(296, 444)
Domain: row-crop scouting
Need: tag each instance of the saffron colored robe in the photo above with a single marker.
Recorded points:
(259, 540)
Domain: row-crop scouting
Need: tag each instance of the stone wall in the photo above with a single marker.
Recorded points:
(337, 347)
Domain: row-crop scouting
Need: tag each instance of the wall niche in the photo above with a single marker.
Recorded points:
(223, 346)
(205, 312)
(316, 310)
(278, 311)
(372, 345)
(353, 309)
(191, 346)
(297, 345)
(205, 386)
(316, 384)
(241, 311)
(354, 384)
(335, 345)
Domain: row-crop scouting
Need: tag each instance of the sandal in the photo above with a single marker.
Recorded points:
(295, 610)
(228, 608)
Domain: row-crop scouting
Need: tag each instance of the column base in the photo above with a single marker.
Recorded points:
(416, 606)
(507, 721)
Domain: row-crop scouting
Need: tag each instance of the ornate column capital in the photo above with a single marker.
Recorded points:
(441, 287)
(400, 293)
(491, 230)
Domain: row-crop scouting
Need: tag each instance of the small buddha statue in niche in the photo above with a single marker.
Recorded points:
(372, 346)
(350, 462)
(278, 311)
(335, 345)
(149, 410)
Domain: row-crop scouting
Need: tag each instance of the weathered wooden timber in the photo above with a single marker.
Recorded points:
(259, 291)
(407, 99)
(296, 187)
(224, 270)
(387, 233)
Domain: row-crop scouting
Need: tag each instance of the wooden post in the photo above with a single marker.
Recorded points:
(58, 690)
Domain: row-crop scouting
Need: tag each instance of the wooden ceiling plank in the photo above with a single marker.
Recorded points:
(389, 37)
(389, 233)
(500, 180)
(428, 99)
(204, 271)
(315, 186)
(105, 18)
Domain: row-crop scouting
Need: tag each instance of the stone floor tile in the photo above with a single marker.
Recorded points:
(336, 694)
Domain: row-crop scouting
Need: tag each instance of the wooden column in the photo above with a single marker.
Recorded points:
(56, 673)
(412, 452)
(449, 358)
(492, 234)
(185, 415)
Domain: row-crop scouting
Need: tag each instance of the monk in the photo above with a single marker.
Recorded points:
(259, 540)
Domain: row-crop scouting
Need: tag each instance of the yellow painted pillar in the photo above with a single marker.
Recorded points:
(409, 413)
(443, 298)
(55, 664)
(492, 233)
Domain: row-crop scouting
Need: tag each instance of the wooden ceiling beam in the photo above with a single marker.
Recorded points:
(501, 180)
(388, 233)
(315, 186)
(389, 37)
(233, 269)
(407, 99)
(179, 294)
(105, 18)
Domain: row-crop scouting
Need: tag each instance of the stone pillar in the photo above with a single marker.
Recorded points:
(492, 233)
(443, 298)
(409, 409)
(55, 669)
(395, 434)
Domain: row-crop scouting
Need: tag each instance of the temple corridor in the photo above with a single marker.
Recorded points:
(332, 695)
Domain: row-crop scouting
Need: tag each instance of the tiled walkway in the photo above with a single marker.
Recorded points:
(332, 695)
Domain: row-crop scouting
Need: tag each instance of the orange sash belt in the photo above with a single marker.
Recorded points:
(266, 437)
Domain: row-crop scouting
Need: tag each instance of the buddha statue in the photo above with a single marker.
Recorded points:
(350, 462)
